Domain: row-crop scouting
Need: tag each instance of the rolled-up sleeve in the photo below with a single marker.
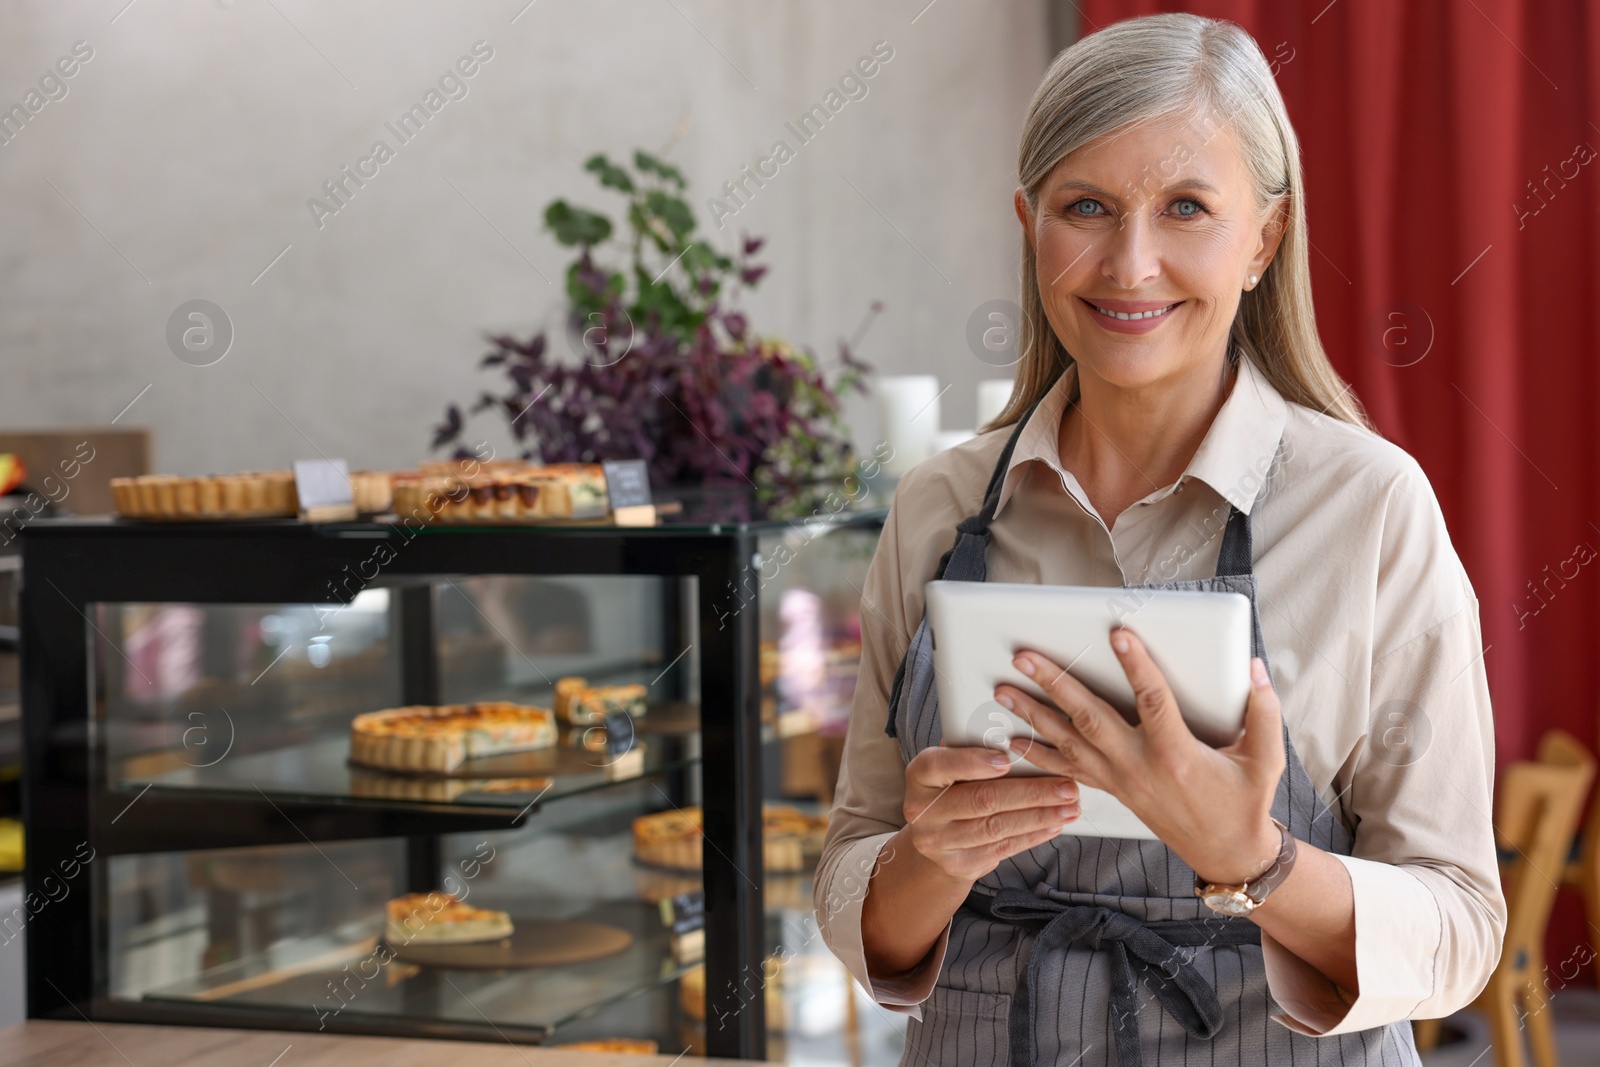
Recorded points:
(1429, 911)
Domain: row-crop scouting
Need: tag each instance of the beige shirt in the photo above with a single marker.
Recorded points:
(1371, 631)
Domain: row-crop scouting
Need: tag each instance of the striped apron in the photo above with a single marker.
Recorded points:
(1088, 950)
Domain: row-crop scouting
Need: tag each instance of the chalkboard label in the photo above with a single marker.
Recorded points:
(685, 912)
(618, 726)
(627, 482)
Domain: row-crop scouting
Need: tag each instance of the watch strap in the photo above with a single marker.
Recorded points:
(1264, 883)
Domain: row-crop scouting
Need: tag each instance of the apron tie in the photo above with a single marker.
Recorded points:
(1140, 951)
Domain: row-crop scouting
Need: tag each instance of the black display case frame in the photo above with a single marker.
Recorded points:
(71, 565)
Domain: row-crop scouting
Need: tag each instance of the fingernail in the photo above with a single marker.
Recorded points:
(1119, 641)
(1024, 665)
(1258, 671)
(1000, 759)
(1006, 702)
(1064, 790)
(1065, 812)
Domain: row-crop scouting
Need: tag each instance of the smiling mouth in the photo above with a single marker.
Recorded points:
(1133, 316)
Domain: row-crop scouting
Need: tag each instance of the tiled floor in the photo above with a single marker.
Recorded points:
(1577, 1034)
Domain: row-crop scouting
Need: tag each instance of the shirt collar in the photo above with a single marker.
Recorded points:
(1233, 458)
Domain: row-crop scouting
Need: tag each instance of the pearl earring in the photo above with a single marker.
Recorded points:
(1253, 280)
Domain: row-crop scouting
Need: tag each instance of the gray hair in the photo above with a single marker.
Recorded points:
(1182, 65)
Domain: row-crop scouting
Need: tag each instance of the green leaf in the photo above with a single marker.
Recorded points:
(651, 165)
(611, 176)
(674, 212)
(576, 226)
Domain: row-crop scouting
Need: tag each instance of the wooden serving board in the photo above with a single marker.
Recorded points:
(533, 943)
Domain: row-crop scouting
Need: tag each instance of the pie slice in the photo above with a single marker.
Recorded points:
(441, 919)
(583, 704)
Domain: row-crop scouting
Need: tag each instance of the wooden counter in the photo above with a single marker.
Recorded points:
(82, 1044)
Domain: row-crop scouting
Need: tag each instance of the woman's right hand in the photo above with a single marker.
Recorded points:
(964, 816)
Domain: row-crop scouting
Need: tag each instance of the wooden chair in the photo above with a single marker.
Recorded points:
(1583, 872)
(1540, 804)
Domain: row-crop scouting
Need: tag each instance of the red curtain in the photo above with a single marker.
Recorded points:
(1453, 195)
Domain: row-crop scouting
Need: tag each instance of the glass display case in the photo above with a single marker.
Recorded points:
(204, 850)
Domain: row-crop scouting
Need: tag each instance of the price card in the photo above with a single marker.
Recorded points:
(323, 486)
(618, 726)
(685, 916)
(628, 489)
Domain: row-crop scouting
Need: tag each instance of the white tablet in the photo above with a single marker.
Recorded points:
(1201, 642)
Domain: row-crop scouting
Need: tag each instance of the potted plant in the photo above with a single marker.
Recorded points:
(664, 366)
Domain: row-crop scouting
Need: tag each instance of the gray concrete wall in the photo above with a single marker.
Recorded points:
(179, 162)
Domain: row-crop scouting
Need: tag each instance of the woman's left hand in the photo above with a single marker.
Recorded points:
(1212, 806)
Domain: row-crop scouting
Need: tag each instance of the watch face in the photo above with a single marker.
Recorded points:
(1231, 902)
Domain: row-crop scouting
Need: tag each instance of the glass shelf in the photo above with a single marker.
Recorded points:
(319, 769)
(303, 976)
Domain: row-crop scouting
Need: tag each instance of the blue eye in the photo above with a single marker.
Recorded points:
(1198, 208)
(1073, 208)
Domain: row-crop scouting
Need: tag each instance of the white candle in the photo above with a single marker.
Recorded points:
(992, 396)
(908, 417)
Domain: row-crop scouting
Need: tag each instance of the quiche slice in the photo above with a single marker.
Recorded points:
(583, 704)
(441, 919)
(439, 739)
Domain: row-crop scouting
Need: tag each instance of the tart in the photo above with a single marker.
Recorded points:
(502, 491)
(628, 1045)
(583, 704)
(441, 919)
(790, 838)
(440, 739)
(251, 495)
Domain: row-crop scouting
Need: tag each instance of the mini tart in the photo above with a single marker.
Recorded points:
(372, 491)
(439, 739)
(790, 838)
(441, 919)
(633, 1046)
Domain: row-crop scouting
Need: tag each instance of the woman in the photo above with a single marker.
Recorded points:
(1332, 874)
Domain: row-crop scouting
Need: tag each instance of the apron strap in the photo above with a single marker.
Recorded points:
(971, 545)
(1147, 952)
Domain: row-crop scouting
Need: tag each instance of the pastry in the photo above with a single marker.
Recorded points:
(371, 491)
(790, 838)
(629, 1045)
(692, 993)
(501, 491)
(249, 495)
(441, 919)
(582, 704)
(440, 739)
